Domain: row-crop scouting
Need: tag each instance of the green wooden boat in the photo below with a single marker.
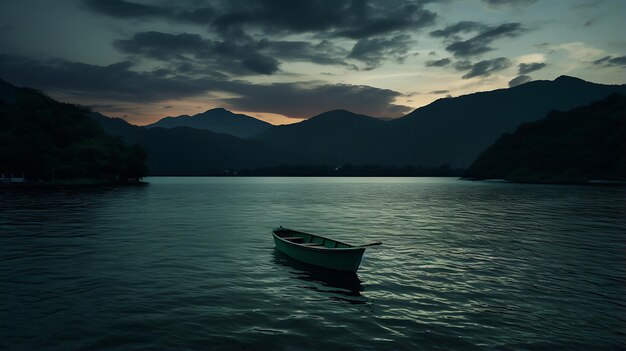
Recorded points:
(319, 251)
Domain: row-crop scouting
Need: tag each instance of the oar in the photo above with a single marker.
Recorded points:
(376, 243)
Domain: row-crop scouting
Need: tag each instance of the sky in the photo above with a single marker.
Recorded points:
(283, 61)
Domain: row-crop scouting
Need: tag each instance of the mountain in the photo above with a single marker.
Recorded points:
(449, 131)
(217, 120)
(188, 151)
(331, 138)
(8, 92)
(456, 130)
(582, 144)
(48, 140)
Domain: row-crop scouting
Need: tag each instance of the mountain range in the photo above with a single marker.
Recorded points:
(449, 131)
(217, 120)
(583, 144)
(452, 131)
(189, 151)
(52, 142)
(456, 130)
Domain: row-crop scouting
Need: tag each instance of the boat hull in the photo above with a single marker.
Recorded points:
(340, 259)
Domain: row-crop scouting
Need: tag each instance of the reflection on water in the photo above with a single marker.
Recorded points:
(343, 286)
(190, 264)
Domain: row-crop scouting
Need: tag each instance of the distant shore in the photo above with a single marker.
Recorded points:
(72, 182)
(345, 170)
(571, 182)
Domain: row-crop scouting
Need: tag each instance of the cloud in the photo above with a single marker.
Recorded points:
(519, 80)
(439, 92)
(588, 4)
(479, 44)
(374, 51)
(609, 61)
(322, 53)
(190, 52)
(116, 81)
(260, 64)
(525, 68)
(463, 65)
(133, 10)
(460, 27)
(512, 4)
(381, 31)
(302, 100)
(124, 9)
(438, 63)
(120, 83)
(164, 46)
(483, 68)
(590, 22)
(576, 51)
(339, 18)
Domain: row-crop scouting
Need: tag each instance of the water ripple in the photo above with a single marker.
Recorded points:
(190, 264)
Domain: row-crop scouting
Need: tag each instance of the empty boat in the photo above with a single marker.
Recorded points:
(319, 251)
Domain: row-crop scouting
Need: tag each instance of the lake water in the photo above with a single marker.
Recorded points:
(189, 263)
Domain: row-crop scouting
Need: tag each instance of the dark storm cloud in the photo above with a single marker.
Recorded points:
(260, 64)
(379, 28)
(191, 52)
(376, 50)
(463, 65)
(164, 46)
(525, 68)
(124, 9)
(300, 100)
(519, 80)
(345, 18)
(482, 39)
(322, 53)
(608, 61)
(479, 44)
(483, 68)
(509, 3)
(455, 29)
(114, 81)
(134, 10)
(438, 63)
(108, 107)
(120, 83)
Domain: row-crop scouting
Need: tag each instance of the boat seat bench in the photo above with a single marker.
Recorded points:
(294, 238)
(312, 244)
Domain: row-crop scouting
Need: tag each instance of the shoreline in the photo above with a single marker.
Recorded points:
(71, 183)
(597, 182)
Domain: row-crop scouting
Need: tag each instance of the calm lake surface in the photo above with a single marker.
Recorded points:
(189, 263)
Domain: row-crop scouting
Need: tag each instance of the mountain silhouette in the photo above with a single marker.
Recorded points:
(456, 130)
(331, 138)
(449, 131)
(582, 144)
(50, 141)
(8, 92)
(217, 120)
(189, 151)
